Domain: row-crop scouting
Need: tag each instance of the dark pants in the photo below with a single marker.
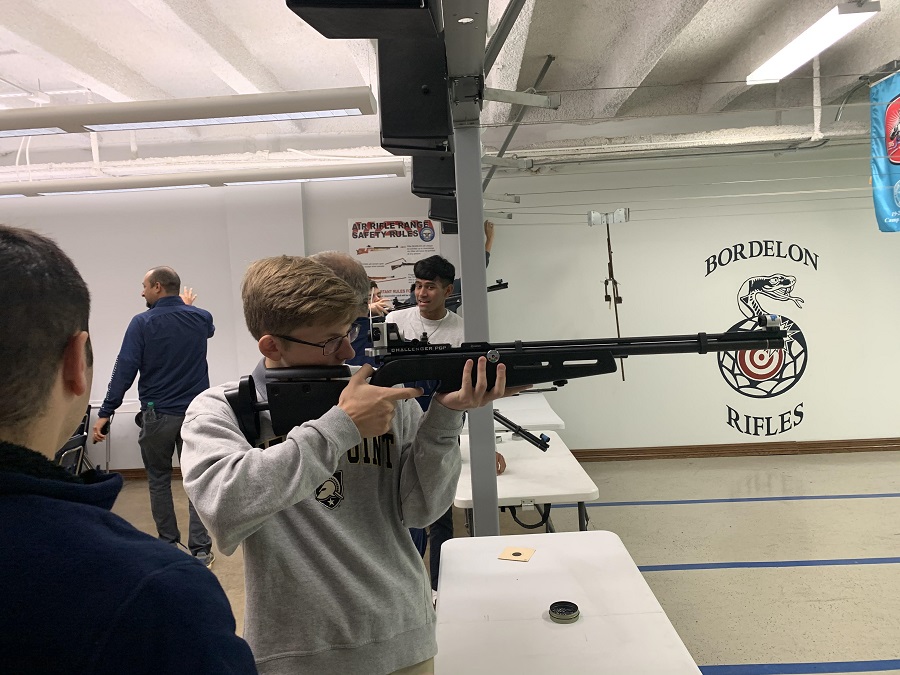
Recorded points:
(160, 438)
(439, 532)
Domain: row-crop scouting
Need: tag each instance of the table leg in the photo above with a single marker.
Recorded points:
(583, 519)
(549, 526)
(469, 522)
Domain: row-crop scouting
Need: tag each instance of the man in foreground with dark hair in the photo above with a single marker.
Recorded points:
(81, 590)
(168, 345)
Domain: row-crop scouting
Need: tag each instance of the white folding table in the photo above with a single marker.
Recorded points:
(532, 477)
(492, 615)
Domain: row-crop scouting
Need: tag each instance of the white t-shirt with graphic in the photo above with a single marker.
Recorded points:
(411, 323)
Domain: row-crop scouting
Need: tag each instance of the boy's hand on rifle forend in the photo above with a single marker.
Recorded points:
(469, 397)
(372, 408)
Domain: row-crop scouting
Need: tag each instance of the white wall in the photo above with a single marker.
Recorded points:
(680, 217)
(207, 235)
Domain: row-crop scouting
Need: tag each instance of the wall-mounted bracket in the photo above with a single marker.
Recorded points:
(496, 197)
(510, 162)
(618, 216)
(552, 101)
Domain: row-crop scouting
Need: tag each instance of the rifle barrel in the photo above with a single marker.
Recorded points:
(537, 362)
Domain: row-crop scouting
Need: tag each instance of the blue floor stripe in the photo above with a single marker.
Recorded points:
(768, 563)
(802, 668)
(784, 498)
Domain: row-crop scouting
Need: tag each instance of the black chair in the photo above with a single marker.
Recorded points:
(73, 455)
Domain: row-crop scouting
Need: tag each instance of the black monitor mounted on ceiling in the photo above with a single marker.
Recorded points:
(443, 209)
(414, 103)
(376, 19)
(434, 176)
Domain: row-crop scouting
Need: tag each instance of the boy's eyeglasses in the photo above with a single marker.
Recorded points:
(329, 346)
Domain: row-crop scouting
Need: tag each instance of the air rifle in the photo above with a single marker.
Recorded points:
(296, 395)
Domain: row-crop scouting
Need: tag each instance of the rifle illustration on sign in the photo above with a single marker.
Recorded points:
(370, 249)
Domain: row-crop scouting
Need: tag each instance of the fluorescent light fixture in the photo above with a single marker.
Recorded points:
(188, 112)
(46, 131)
(136, 189)
(358, 170)
(817, 38)
(5, 196)
(210, 121)
(268, 182)
(377, 175)
(313, 180)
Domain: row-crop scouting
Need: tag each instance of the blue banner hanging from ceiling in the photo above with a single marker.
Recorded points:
(885, 100)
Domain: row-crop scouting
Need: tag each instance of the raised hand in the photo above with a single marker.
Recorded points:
(188, 296)
(372, 408)
(380, 307)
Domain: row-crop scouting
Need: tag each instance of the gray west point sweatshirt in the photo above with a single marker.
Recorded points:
(334, 582)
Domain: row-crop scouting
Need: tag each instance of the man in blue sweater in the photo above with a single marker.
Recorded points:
(167, 344)
(81, 590)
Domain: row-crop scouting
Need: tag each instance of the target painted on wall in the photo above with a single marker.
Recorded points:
(765, 373)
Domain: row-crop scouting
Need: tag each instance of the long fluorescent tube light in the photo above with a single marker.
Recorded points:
(313, 180)
(135, 189)
(210, 121)
(188, 112)
(41, 188)
(8, 133)
(817, 38)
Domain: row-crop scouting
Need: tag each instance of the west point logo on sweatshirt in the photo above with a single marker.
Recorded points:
(331, 492)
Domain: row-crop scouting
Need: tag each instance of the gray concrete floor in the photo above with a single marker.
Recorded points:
(818, 613)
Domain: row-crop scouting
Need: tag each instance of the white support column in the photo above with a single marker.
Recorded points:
(465, 35)
(467, 143)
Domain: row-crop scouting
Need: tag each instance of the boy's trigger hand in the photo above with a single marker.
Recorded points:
(371, 408)
(361, 377)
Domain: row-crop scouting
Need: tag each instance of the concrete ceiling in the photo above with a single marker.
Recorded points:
(635, 78)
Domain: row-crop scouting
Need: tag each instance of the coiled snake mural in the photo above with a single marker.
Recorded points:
(764, 373)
